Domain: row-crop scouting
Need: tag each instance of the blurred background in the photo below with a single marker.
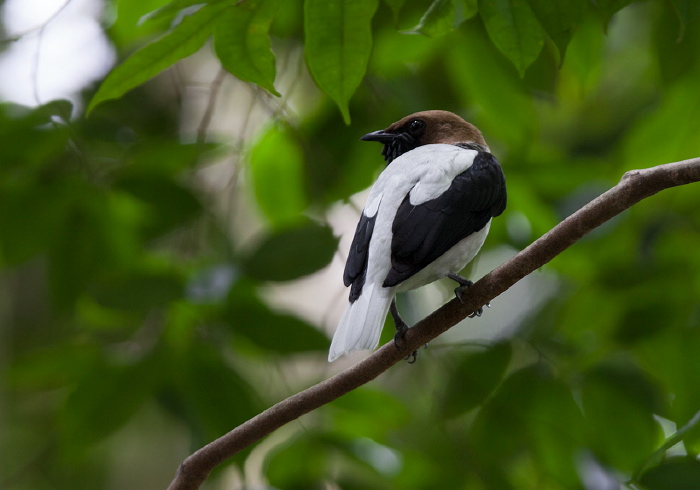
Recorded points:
(171, 264)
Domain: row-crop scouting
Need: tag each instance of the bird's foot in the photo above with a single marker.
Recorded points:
(465, 284)
(401, 329)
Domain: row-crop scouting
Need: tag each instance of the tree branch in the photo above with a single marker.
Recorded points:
(633, 187)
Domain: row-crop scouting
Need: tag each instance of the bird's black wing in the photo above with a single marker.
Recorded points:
(356, 266)
(422, 233)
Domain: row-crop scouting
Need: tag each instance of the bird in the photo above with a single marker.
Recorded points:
(426, 217)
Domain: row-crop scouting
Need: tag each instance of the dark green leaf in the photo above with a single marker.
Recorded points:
(183, 40)
(680, 473)
(137, 290)
(531, 411)
(277, 332)
(514, 29)
(619, 406)
(30, 217)
(168, 204)
(292, 253)
(688, 10)
(395, 6)
(59, 108)
(277, 167)
(338, 43)
(559, 19)
(208, 394)
(242, 42)
(608, 8)
(475, 378)
(105, 397)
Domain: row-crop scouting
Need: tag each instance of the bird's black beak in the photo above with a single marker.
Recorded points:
(381, 136)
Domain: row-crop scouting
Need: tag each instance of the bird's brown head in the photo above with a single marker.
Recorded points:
(424, 128)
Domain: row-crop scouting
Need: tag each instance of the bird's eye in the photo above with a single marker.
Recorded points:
(416, 126)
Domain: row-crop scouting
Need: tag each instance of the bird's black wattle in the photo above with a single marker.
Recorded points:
(395, 144)
(422, 233)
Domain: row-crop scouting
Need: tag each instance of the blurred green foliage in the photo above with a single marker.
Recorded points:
(135, 318)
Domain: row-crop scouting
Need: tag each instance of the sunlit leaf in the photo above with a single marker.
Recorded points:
(242, 42)
(292, 253)
(338, 43)
(183, 40)
(277, 166)
(514, 29)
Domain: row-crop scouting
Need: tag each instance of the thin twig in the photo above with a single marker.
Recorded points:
(37, 55)
(211, 103)
(633, 187)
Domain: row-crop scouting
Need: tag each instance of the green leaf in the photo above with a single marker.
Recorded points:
(183, 40)
(168, 204)
(277, 332)
(61, 108)
(559, 19)
(292, 253)
(679, 473)
(514, 29)
(277, 168)
(608, 8)
(338, 43)
(138, 290)
(242, 42)
(688, 10)
(169, 11)
(395, 6)
(438, 19)
(105, 397)
(208, 394)
(619, 405)
(475, 378)
(532, 416)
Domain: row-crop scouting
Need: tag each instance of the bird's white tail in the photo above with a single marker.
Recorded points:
(362, 322)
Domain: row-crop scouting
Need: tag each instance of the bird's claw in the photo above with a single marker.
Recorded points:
(465, 284)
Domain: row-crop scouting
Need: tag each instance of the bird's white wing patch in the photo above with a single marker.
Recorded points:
(438, 169)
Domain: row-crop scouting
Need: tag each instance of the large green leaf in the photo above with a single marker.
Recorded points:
(688, 10)
(242, 42)
(338, 43)
(475, 378)
(138, 289)
(679, 473)
(619, 405)
(183, 40)
(514, 29)
(277, 332)
(106, 395)
(277, 168)
(292, 253)
(559, 19)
